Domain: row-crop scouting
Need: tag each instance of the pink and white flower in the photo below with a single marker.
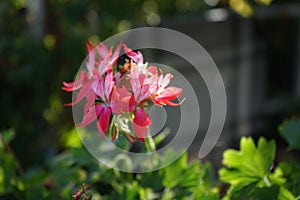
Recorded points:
(113, 104)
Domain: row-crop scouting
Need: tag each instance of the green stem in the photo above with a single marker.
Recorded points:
(267, 182)
(150, 145)
(11, 151)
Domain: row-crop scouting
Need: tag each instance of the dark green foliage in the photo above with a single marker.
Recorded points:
(65, 174)
(250, 173)
(290, 131)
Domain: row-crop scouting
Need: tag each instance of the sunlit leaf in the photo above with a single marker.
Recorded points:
(264, 2)
(249, 170)
(248, 165)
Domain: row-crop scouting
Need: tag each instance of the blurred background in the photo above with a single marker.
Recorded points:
(255, 44)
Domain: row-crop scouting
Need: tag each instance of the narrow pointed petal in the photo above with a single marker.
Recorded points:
(102, 67)
(103, 121)
(166, 80)
(135, 83)
(102, 50)
(98, 88)
(116, 106)
(75, 85)
(132, 103)
(115, 55)
(108, 85)
(90, 63)
(136, 57)
(90, 100)
(68, 104)
(170, 93)
(145, 93)
(68, 89)
(170, 103)
(91, 115)
(82, 93)
(89, 46)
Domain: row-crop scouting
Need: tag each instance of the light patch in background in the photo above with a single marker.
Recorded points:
(19, 3)
(211, 2)
(183, 5)
(153, 19)
(264, 2)
(49, 41)
(94, 39)
(242, 7)
(124, 25)
(150, 6)
(216, 15)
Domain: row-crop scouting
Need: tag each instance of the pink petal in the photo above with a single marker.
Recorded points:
(145, 93)
(89, 46)
(90, 100)
(152, 82)
(99, 89)
(116, 54)
(104, 64)
(82, 93)
(132, 104)
(75, 85)
(140, 131)
(169, 103)
(90, 63)
(102, 67)
(166, 80)
(91, 115)
(102, 50)
(136, 57)
(103, 121)
(141, 118)
(108, 85)
(152, 70)
(135, 83)
(115, 103)
(121, 101)
(170, 93)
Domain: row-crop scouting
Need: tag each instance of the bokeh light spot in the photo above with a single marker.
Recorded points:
(49, 41)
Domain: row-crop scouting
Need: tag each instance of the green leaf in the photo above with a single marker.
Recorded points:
(248, 170)
(290, 131)
(9, 135)
(151, 179)
(250, 164)
(291, 172)
(284, 194)
(186, 180)
(170, 180)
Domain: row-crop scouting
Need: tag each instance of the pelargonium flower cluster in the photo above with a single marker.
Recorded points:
(118, 97)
